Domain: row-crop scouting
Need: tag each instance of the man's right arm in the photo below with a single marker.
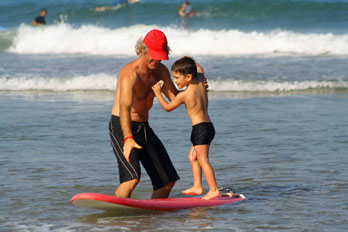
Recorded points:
(126, 99)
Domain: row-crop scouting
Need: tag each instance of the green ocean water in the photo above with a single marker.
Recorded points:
(278, 99)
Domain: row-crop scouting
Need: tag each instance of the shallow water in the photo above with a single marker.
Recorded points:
(278, 99)
(287, 154)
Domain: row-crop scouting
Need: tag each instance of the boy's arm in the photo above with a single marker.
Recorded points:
(177, 101)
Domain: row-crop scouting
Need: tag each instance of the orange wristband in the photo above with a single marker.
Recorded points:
(128, 137)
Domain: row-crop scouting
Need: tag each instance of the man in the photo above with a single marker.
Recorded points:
(40, 20)
(132, 139)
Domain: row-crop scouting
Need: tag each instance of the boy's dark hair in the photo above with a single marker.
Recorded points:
(185, 65)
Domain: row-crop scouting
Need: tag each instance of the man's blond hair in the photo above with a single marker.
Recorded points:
(141, 46)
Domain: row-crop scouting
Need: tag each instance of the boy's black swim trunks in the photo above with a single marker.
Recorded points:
(202, 133)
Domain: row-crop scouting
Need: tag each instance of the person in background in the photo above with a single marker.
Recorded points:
(115, 5)
(185, 10)
(40, 20)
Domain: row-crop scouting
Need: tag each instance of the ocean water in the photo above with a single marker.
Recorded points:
(278, 99)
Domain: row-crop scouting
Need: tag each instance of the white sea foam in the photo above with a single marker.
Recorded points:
(91, 39)
(92, 82)
(106, 82)
(273, 86)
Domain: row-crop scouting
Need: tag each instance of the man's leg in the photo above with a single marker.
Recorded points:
(129, 172)
(158, 166)
(126, 188)
(163, 192)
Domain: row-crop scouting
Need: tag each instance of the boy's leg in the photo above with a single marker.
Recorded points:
(196, 188)
(202, 152)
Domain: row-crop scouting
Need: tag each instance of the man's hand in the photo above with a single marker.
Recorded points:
(128, 146)
(205, 83)
(200, 73)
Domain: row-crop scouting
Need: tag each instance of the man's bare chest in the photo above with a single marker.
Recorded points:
(143, 88)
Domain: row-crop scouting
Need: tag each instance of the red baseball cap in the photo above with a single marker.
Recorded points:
(156, 42)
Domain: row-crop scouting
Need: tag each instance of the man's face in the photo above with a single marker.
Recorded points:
(151, 64)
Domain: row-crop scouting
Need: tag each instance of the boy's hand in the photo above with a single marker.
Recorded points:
(157, 87)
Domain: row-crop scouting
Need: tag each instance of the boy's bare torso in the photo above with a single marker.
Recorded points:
(196, 102)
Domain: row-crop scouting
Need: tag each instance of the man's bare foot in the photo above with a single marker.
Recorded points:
(193, 191)
(211, 195)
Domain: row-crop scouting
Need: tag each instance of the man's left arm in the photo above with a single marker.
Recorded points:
(200, 74)
(168, 88)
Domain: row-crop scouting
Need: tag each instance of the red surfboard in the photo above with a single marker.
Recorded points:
(107, 202)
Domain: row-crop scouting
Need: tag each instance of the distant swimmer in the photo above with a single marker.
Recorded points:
(115, 5)
(185, 10)
(40, 20)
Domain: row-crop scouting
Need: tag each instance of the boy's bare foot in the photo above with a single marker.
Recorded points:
(193, 191)
(211, 195)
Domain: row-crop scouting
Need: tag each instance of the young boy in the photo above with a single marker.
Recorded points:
(195, 98)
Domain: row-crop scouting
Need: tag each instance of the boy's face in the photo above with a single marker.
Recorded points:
(180, 80)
